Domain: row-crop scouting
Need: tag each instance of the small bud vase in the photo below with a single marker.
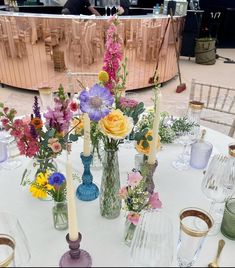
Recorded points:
(110, 203)
(60, 215)
(129, 232)
(147, 171)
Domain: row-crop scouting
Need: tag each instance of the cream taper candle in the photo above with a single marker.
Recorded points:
(156, 122)
(72, 213)
(87, 138)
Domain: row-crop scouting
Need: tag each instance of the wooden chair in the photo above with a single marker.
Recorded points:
(219, 103)
(58, 60)
(77, 81)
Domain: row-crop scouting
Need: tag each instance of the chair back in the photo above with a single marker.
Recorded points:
(219, 103)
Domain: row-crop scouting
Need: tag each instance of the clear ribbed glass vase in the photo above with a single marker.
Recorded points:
(152, 244)
(110, 203)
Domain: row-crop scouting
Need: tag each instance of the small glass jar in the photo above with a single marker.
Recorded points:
(228, 222)
(60, 215)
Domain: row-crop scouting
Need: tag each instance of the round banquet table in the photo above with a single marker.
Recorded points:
(103, 238)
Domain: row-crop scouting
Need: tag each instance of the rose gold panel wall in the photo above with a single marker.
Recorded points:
(36, 52)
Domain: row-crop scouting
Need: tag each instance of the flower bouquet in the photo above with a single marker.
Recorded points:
(41, 137)
(111, 120)
(136, 198)
(53, 185)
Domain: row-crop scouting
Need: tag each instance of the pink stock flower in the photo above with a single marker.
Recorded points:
(133, 217)
(113, 54)
(134, 179)
(18, 123)
(123, 192)
(154, 201)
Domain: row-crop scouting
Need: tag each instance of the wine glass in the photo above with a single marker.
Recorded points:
(8, 142)
(152, 244)
(46, 97)
(218, 185)
(185, 138)
(116, 4)
(106, 4)
(110, 5)
(12, 229)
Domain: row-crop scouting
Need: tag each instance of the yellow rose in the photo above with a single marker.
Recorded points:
(116, 125)
(103, 76)
(139, 147)
(78, 123)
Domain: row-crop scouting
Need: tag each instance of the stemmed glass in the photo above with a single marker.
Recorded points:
(182, 162)
(116, 5)
(106, 4)
(10, 227)
(46, 97)
(7, 139)
(152, 244)
(110, 5)
(218, 185)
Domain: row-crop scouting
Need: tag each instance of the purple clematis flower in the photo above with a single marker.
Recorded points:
(96, 102)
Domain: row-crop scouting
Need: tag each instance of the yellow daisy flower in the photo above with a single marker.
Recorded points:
(37, 191)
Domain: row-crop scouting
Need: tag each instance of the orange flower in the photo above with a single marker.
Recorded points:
(78, 123)
(145, 150)
(37, 122)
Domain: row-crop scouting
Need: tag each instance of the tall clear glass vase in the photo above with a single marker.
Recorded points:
(110, 203)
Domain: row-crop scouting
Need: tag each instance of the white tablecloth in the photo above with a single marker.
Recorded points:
(103, 238)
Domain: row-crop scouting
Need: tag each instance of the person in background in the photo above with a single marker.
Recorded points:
(76, 7)
(124, 7)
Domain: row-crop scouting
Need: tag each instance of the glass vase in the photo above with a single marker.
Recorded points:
(147, 171)
(110, 203)
(129, 232)
(60, 215)
(98, 153)
(37, 165)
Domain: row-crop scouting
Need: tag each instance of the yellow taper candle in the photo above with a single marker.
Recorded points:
(72, 213)
(156, 121)
(87, 138)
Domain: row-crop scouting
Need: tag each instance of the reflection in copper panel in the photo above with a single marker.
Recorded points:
(37, 52)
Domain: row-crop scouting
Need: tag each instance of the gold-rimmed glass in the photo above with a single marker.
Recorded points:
(10, 227)
(195, 224)
(7, 250)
